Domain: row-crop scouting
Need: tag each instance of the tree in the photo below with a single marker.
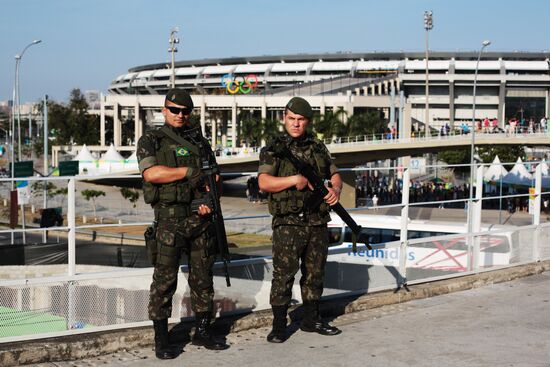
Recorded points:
(128, 128)
(330, 124)
(38, 187)
(270, 129)
(38, 147)
(72, 123)
(508, 154)
(60, 132)
(251, 131)
(51, 190)
(131, 195)
(92, 195)
(367, 123)
(62, 191)
(456, 156)
(4, 123)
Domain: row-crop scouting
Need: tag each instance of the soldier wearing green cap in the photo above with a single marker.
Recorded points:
(170, 165)
(300, 233)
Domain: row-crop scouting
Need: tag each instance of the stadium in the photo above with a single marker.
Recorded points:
(509, 85)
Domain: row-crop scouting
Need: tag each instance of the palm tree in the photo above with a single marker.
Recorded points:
(367, 123)
(250, 130)
(330, 124)
(269, 129)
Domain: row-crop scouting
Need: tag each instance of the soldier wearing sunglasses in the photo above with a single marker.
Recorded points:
(171, 173)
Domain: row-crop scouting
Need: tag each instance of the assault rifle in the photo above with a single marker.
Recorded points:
(320, 191)
(212, 197)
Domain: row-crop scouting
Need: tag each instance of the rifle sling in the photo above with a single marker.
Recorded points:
(179, 139)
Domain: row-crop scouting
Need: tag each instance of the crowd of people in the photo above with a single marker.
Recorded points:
(492, 126)
(373, 191)
(382, 190)
(515, 126)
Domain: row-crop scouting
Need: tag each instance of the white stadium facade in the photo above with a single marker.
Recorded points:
(509, 84)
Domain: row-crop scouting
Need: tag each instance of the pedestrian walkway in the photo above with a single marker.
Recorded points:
(502, 324)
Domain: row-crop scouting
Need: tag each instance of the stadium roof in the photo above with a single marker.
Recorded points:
(344, 56)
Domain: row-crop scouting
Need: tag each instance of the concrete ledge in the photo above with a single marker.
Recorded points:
(94, 344)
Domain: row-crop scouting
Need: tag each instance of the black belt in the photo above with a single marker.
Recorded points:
(172, 212)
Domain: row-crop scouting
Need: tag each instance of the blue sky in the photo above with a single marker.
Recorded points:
(87, 43)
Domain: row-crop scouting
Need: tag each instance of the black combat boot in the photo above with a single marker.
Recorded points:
(162, 342)
(203, 336)
(312, 322)
(278, 332)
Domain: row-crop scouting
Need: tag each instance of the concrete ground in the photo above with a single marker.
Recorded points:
(503, 324)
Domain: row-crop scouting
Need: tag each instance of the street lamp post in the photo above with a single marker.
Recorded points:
(17, 101)
(428, 25)
(173, 49)
(16, 110)
(484, 44)
(472, 145)
(45, 170)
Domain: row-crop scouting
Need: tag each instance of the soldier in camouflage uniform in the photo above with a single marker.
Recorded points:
(170, 165)
(300, 232)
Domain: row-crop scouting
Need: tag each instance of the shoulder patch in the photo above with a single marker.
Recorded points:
(182, 152)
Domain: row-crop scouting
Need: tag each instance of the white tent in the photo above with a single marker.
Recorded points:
(131, 163)
(545, 174)
(111, 161)
(495, 171)
(518, 175)
(84, 155)
(86, 161)
(545, 170)
(111, 155)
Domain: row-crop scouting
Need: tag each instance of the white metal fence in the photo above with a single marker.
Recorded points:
(51, 300)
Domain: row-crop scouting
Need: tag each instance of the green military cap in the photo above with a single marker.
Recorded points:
(300, 106)
(179, 97)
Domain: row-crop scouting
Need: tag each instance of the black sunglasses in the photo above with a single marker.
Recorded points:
(177, 110)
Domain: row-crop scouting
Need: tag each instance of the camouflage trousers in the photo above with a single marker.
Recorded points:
(298, 247)
(165, 276)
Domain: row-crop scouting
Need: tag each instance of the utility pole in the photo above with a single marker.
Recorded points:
(428, 25)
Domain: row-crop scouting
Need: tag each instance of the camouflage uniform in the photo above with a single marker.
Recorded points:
(178, 231)
(299, 232)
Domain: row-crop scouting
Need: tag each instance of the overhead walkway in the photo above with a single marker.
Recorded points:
(352, 151)
(357, 150)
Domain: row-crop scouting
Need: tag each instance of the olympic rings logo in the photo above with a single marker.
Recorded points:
(236, 84)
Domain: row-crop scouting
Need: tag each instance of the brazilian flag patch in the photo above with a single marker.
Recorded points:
(182, 152)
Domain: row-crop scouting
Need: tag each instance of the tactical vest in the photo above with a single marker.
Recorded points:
(171, 154)
(291, 200)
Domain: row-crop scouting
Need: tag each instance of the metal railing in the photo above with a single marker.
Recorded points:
(389, 138)
(53, 300)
